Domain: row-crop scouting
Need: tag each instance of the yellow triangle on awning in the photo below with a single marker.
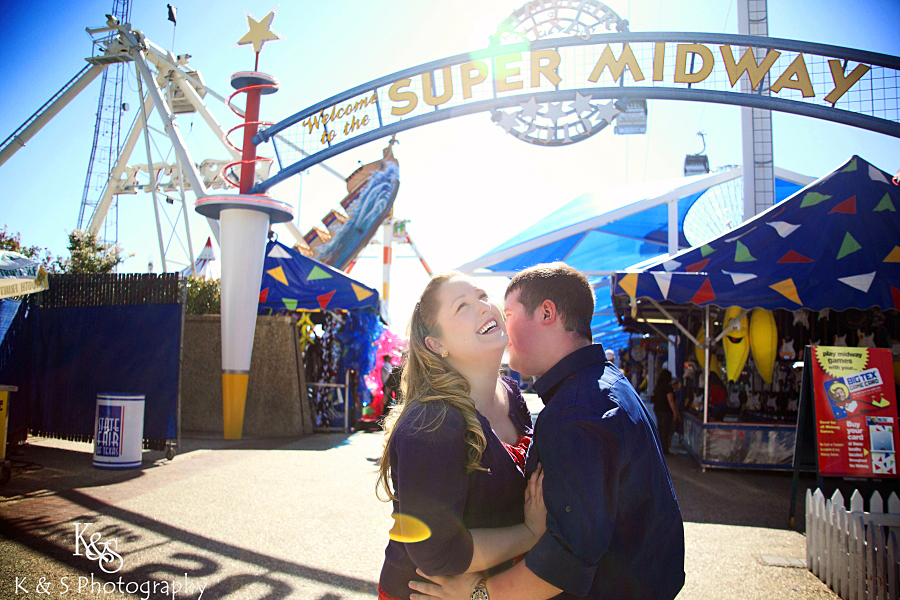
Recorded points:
(894, 256)
(787, 289)
(629, 284)
(361, 292)
(278, 273)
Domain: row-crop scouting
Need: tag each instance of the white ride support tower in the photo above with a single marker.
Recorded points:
(756, 123)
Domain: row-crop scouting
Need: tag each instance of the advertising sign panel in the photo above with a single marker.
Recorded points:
(857, 433)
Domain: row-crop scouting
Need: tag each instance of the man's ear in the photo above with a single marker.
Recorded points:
(433, 344)
(548, 312)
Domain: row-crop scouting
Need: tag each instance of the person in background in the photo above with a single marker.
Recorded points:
(693, 376)
(718, 397)
(392, 387)
(666, 410)
(611, 356)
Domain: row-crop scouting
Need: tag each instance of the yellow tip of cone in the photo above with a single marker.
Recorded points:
(234, 397)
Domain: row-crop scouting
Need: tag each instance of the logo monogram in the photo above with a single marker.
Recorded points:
(97, 550)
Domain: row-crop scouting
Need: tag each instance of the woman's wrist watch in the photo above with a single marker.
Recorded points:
(480, 592)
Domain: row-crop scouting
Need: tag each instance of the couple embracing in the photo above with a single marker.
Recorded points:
(487, 509)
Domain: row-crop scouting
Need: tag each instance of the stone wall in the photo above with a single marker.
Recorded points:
(277, 404)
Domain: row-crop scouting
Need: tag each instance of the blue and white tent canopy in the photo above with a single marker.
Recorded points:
(607, 231)
(292, 281)
(603, 232)
(834, 244)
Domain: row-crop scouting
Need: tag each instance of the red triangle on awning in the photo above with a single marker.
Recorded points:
(697, 266)
(704, 294)
(847, 207)
(895, 295)
(324, 299)
(794, 257)
(263, 295)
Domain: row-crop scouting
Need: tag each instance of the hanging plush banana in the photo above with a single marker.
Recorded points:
(736, 342)
(763, 342)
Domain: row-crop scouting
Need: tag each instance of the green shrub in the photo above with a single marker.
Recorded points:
(204, 296)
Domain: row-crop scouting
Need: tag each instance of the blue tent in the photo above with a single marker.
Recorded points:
(834, 244)
(603, 232)
(292, 281)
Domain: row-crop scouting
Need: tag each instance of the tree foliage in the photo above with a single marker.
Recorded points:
(88, 254)
(13, 243)
(204, 296)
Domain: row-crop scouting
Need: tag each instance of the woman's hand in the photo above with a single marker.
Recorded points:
(452, 587)
(495, 545)
(535, 511)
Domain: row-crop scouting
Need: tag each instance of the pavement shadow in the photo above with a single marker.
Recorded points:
(737, 497)
(195, 556)
(39, 469)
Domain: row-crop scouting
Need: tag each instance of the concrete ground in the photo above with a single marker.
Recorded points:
(299, 518)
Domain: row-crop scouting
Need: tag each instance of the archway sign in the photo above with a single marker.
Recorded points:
(548, 79)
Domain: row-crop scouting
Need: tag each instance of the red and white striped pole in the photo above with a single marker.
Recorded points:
(388, 239)
(415, 249)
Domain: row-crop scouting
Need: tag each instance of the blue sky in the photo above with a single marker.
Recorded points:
(465, 185)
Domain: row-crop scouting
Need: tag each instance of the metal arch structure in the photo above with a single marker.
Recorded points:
(843, 85)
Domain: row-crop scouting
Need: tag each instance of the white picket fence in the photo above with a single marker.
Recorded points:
(855, 553)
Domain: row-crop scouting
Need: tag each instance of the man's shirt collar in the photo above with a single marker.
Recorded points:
(546, 385)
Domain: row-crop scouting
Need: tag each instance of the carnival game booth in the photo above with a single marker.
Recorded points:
(338, 323)
(822, 267)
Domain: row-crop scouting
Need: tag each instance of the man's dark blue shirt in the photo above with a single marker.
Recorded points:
(614, 529)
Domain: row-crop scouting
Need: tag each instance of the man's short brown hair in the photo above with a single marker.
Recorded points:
(565, 286)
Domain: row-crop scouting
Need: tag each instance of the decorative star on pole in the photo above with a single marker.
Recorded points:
(259, 33)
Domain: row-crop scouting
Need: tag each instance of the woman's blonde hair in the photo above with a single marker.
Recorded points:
(428, 378)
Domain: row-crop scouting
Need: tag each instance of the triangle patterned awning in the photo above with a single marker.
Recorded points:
(834, 244)
(292, 281)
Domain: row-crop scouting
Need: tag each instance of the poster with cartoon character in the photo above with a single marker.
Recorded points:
(857, 432)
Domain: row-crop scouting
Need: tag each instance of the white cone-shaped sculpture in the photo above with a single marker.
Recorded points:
(244, 222)
(243, 259)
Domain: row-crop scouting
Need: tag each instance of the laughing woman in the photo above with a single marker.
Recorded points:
(454, 456)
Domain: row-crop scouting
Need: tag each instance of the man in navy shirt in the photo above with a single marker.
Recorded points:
(614, 529)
